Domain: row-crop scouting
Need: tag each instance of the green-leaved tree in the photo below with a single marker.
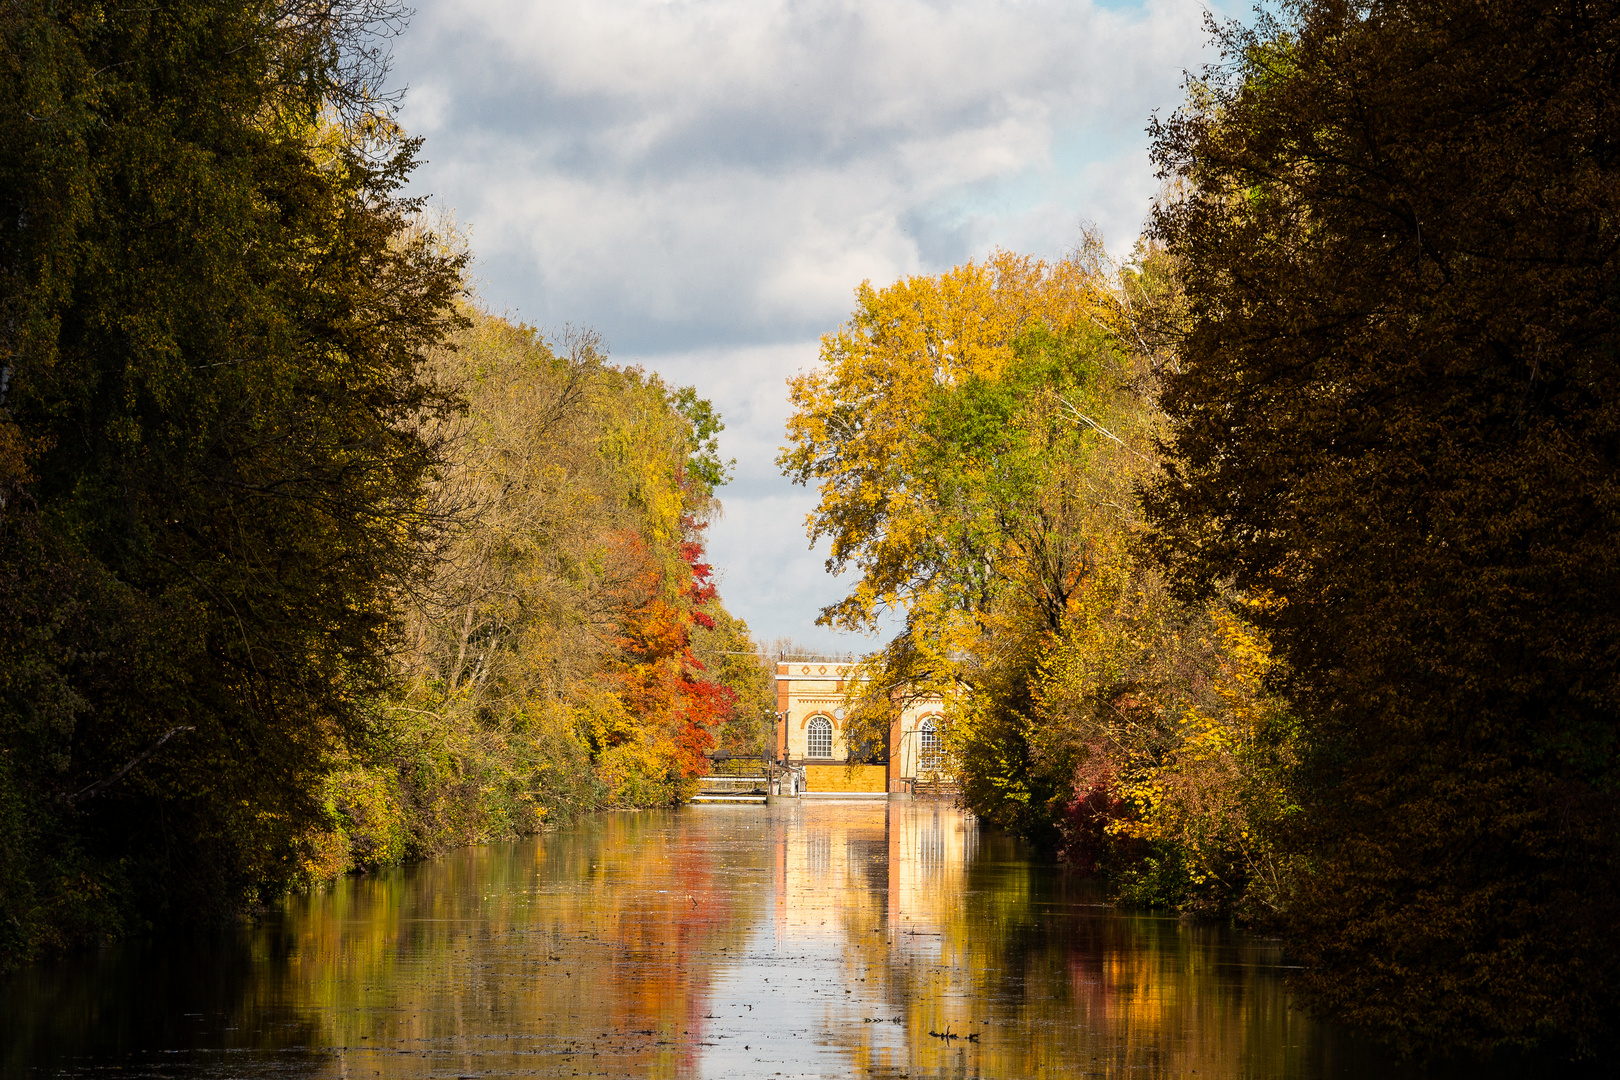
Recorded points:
(1396, 414)
(212, 326)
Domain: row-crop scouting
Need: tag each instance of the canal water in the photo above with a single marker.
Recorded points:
(812, 939)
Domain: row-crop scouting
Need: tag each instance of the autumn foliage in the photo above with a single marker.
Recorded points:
(655, 674)
(977, 439)
(571, 651)
(1396, 413)
(306, 564)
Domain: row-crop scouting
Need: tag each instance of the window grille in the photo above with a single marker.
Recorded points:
(931, 752)
(820, 738)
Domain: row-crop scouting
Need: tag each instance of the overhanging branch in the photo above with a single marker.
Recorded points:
(101, 785)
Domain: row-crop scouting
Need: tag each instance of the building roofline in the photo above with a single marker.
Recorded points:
(851, 660)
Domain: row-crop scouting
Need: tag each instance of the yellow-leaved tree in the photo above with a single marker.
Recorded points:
(855, 426)
(974, 437)
(977, 440)
(570, 651)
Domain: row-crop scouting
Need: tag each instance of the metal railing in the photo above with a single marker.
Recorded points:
(728, 765)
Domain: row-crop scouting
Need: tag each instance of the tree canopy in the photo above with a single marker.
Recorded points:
(569, 650)
(1396, 414)
(254, 514)
(215, 325)
(855, 425)
(978, 438)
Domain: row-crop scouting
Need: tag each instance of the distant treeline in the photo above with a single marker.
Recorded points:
(1275, 574)
(305, 563)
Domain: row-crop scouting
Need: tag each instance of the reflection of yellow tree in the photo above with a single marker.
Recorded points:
(611, 931)
(604, 949)
(1045, 976)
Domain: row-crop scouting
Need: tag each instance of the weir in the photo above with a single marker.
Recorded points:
(735, 780)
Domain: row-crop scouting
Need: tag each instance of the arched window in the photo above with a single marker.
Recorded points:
(930, 751)
(820, 738)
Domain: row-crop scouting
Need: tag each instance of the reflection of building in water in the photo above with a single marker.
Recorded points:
(863, 868)
(869, 899)
(818, 853)
(810, 735)
(931, 848)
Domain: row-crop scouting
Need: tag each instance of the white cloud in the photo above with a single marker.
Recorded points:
(768, 573)
(706, 181)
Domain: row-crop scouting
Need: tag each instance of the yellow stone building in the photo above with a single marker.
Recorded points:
(810, 735)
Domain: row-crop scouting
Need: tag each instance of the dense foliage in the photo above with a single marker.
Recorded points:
(569, 651)
(978, 438)
(1397, 415)
(1354, 670)
(213, 457)
(286, 583)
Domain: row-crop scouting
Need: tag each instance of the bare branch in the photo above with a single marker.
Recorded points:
(101, 785)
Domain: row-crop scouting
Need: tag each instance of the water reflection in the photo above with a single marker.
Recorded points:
(823, 939)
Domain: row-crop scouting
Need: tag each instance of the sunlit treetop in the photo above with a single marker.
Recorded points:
(855, 422)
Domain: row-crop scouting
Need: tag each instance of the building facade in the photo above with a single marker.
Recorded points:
(810, 733)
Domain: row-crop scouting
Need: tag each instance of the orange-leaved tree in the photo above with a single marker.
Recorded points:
(669, 708)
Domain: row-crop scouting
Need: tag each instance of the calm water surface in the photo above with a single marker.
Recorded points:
(824, 939)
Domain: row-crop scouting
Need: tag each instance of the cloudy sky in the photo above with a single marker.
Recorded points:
(705, 183)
